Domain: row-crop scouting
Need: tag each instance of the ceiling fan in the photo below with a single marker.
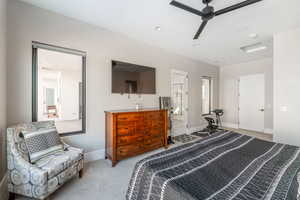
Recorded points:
(209, 12)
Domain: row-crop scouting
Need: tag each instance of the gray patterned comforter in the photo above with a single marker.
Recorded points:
(226, 165)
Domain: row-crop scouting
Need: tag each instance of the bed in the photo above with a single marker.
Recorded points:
(226, 165)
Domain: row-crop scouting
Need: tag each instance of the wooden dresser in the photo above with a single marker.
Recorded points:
(133, 132)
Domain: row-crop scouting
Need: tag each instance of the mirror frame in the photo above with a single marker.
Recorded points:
(35, 47)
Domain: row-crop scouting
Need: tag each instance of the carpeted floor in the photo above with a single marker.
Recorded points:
(102, 182)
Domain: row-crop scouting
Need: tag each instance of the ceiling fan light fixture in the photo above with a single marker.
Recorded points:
(157, 28)
(253, 35)
(254, 48)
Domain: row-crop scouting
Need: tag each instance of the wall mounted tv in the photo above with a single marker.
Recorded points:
(132, 79)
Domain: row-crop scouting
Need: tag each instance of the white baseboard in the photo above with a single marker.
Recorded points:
(94, 155)
(230, 125)
(268, 131)
(3, 188)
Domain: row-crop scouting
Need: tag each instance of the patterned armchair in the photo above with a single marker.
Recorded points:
(41, 179)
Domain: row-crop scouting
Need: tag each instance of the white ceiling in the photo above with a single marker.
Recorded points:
(220, 42)
(57, 61)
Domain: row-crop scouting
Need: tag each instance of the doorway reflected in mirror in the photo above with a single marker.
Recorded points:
(60, 89)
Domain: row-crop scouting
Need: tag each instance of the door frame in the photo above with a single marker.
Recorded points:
(186, 89)
(239, 101)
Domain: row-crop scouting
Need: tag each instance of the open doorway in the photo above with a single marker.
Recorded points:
(179, 99)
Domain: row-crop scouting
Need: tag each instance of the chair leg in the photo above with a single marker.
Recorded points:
(81, 173)
(12, 196)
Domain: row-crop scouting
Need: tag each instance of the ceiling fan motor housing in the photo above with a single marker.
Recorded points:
(206, 1)
(208, 13)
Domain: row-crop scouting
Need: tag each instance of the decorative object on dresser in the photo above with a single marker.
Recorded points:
(133, 132)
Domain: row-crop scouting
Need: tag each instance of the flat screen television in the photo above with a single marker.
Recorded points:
(132, 79)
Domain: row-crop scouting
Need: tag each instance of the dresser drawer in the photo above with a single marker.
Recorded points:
(154, 124)
(129, 150)
(131, 133)
(126, 117)
(153, 143)
(153, 116)
(154, 132)
(130, 130)
(127, 140)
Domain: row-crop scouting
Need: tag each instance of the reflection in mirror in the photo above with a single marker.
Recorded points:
(60, 89)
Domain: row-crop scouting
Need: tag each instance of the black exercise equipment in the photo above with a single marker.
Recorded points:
(218, 113)
(213, 124)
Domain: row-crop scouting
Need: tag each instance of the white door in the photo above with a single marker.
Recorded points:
(179, 100)
(251, 102)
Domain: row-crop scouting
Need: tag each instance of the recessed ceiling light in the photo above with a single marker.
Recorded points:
(253, 35)
(254, 48)
(157, 28)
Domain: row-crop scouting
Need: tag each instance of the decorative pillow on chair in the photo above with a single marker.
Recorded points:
(42, 143)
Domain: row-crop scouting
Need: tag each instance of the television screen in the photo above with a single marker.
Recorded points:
(132, 79)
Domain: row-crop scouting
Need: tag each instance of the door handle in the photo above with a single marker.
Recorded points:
(262, 110)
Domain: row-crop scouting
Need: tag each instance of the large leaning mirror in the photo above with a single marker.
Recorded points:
(58, 80)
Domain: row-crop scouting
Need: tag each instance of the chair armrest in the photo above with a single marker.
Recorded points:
(18, 165)
(66, 146)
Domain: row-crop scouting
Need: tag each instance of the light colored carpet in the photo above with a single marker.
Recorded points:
(100, 181)
(103, 182)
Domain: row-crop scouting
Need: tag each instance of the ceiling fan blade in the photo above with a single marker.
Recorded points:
(236, 6)
(200, 29)
(187, 8)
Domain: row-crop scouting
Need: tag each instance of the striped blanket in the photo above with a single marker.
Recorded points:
(226, 165)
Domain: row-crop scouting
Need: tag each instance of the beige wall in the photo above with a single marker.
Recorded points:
(2, 96)
(27, 23)
(229, 76)
(287, 87)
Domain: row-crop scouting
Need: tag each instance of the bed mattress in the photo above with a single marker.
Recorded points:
(226, 165)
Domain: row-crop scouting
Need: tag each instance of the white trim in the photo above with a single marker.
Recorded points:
(94, 155)
(230, 125)
(3, 188)
(185, 129)
(58, 49)
(268, 131)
